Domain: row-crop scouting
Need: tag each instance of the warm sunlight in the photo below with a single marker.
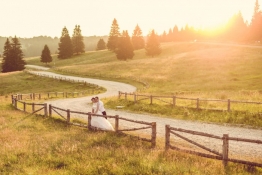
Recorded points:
(34, 18)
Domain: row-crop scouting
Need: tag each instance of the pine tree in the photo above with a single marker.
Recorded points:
(7, 62)
(77, 41)
(137, 39)
(46, 55)
(256, 24)
(113, 36)
(101, 45)
(125, 48)
(65, 49)
(152, 45)
(13, 56)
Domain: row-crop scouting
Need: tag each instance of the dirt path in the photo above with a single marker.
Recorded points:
(236, 149)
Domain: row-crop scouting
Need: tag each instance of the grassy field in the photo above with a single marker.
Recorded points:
(20, 82)
(193, 70)
(38, 145)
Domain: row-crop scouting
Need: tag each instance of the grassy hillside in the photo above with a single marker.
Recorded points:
(38, 145)
(190, 67)
(197, 70)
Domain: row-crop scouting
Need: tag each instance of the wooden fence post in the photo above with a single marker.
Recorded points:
(12, 98)
(225, 149)
(68, 115)
(24, 106)
(66, 94)
(228, 105)
(45, 109)
(63, 94)
(151, 99)
(197, 103)
(39, 96)
(33, 96)
(50, 110)
(119, 94)
(16, 103)
(134, 97)
(89, 121)
(33, 107)
(167, 137)
(48, 95)
(116, 123)
(153, 136)
(174, 101)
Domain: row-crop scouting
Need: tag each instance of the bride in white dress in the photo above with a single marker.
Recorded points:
(100, 121)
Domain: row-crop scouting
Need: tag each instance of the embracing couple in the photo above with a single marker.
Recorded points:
(98, 121)
(98, 106)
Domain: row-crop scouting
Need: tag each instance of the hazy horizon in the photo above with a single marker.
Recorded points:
(30, 18)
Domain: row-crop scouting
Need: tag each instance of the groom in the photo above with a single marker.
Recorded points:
(100, 106)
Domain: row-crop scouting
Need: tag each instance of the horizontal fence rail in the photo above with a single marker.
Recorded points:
(219, 156)
(68, 114)
(193, 102)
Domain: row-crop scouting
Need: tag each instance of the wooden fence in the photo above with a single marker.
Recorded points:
(216, 155)
(16, 100)
(134, 78)
(66, 114)
(172, 100)
(64, 79)
(39, 96)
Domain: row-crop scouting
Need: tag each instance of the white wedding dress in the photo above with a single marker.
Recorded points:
(100, 121)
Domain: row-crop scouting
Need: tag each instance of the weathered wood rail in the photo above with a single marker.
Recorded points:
(215, 154)
(172, 100)
(134, 78)
(67, 115)
(16, 99)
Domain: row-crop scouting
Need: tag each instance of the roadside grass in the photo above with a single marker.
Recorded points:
(38, 145)
(21, 82)
(235, 117)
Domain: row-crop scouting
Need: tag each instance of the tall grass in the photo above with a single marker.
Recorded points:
(38, 145)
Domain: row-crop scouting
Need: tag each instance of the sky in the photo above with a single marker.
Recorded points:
(29, 18)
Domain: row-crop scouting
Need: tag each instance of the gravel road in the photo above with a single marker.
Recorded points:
(239, 150)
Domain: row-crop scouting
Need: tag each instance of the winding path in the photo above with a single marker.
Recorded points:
(236, 149)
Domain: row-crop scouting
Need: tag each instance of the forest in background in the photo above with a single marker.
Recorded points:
(34, 46)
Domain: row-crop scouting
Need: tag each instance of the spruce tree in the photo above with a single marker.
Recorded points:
(13, 56)
(113, 36)
(137, 39)
(77, 41)
(46, 55)
(125, 48)
(152, 45)
(65, 49)
(256, 24)
(101, 45)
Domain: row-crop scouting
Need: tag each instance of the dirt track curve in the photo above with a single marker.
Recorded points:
(237, 149)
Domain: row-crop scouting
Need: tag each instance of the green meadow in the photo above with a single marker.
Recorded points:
(33, 144)
(192, 70)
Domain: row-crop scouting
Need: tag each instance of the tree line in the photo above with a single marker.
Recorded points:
(123, 45)
(235, 30)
